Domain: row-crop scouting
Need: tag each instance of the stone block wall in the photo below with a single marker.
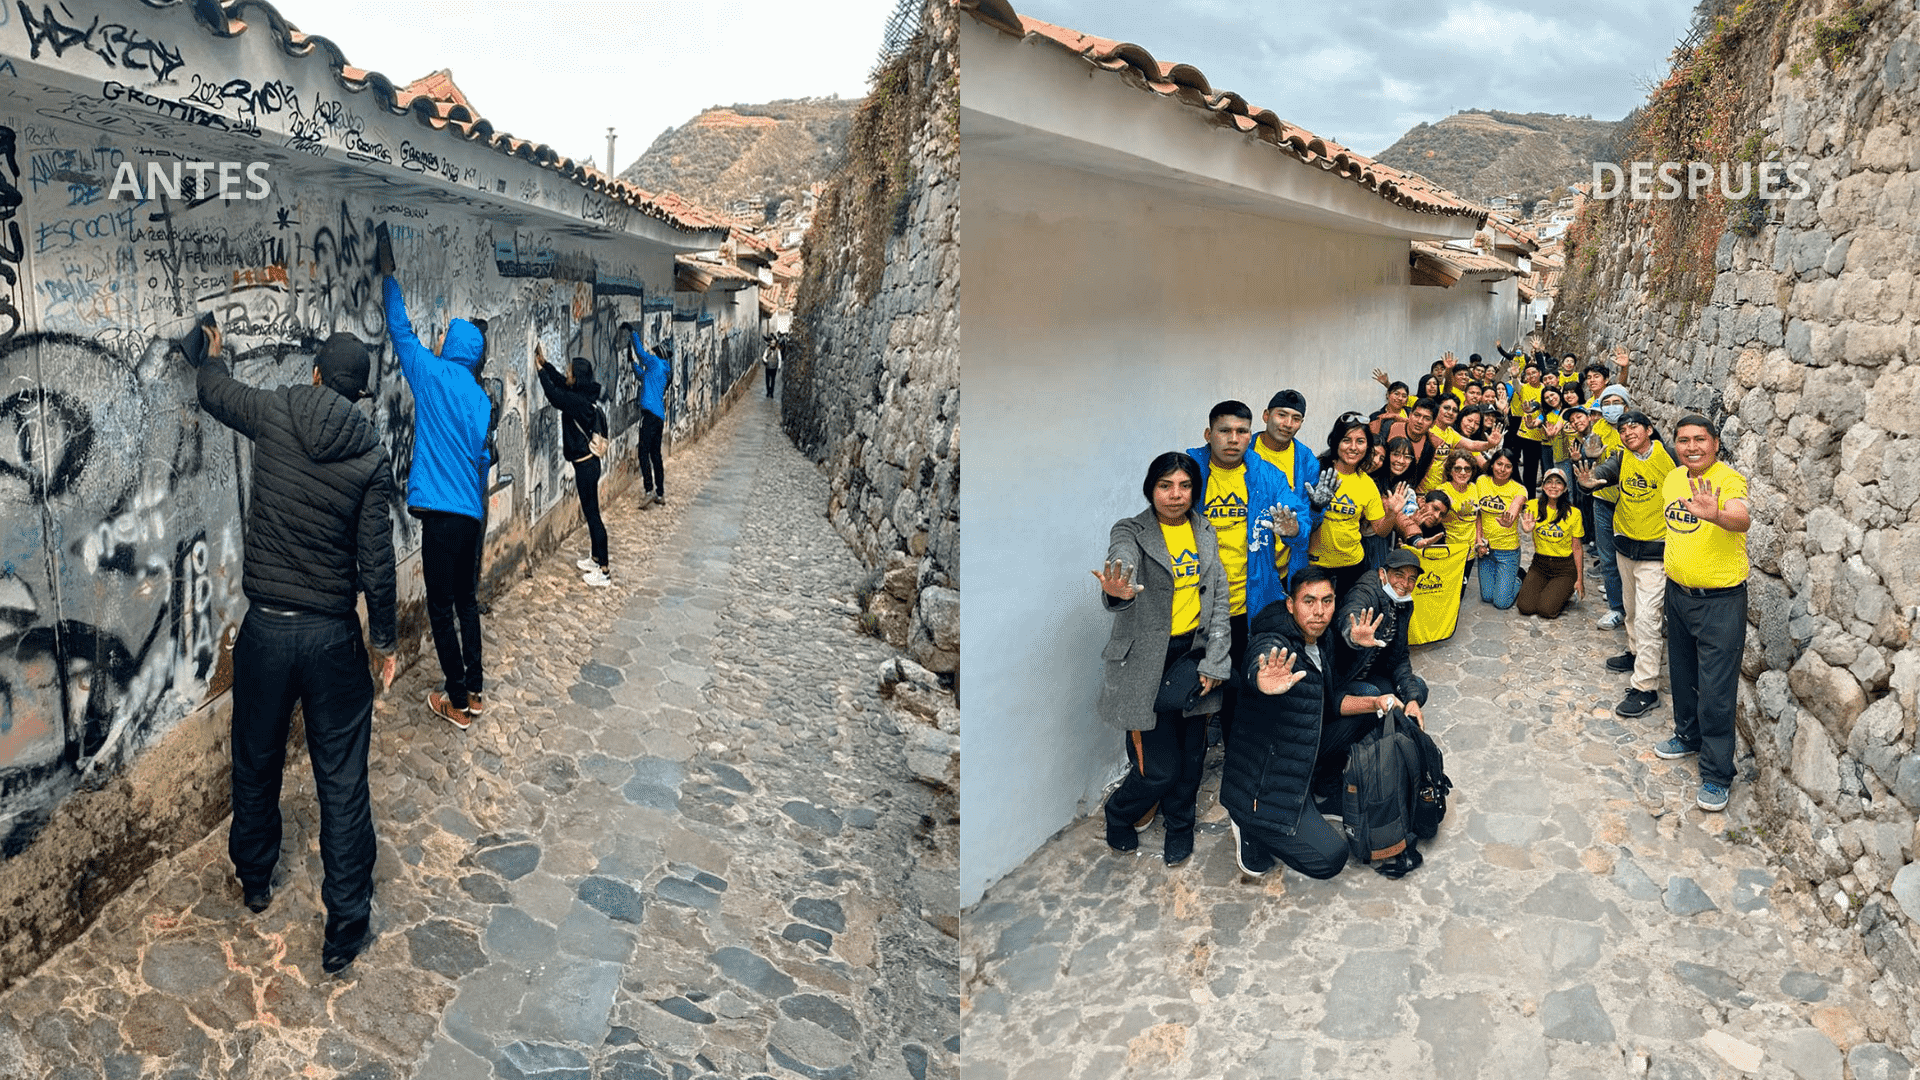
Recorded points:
(875, 396)
(1809, 353)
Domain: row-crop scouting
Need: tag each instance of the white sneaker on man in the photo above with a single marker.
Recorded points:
(586, 564)
(598, 578)
(1612, 620)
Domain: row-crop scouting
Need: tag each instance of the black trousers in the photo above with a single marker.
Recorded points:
(447, 546)
(1316, 847)
(1705, 636)
(1237, 650)
(1163, 765)
(1529, 471)
(586, 478)
(772, 370)
(319, 661)
(653, 471)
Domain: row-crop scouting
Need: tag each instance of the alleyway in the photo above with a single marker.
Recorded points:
(682, 843)
(1576, 917)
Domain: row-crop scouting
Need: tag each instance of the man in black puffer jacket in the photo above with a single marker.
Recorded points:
(1381, 672)
(1276, 737)
(318, 531)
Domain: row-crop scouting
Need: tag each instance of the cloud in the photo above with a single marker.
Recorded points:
(1363, 73)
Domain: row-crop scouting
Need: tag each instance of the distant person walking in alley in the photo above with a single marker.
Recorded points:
(654, 373)
(1164, 584)
(1706, 564)
(319, 531)
(575, 395)
(776, 343)
(446, 487)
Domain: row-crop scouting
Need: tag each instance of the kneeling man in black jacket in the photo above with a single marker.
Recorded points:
(1276, 745)
(318, 531)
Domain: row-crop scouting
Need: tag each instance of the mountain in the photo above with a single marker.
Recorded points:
(1482, 153)
(755, 162)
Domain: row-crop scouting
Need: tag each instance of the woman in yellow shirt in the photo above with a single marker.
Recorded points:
(1356, 506)
(1559, 565)
(1499, 496)
(1164, 585)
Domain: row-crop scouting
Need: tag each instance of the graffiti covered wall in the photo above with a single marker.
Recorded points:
(121, 503)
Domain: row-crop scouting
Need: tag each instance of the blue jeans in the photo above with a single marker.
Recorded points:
(1603, 541)
(1500, 577)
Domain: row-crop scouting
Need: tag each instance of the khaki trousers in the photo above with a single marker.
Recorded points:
(1643, 589)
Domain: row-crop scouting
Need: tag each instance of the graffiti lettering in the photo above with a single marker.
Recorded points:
(403, 211)
(171, 109)
(58, 235)
(414, 159)
(45, 441)
(12, 246)
(271, 98)
(118, 45)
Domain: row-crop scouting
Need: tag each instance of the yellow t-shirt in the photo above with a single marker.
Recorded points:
(1558, 442)
(1557, 537)
(1493, 500)
(1437, 472)
(1569, 378)
(1700, 554)
(1611, 437)
(1336, 540)
(1281, 459)
(1186, 576)
(1458, 395)
(1640, 515)
(1226, 508)
(1529, 422)
(1465, 512)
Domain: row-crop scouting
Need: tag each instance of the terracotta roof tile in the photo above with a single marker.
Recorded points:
(1189, 85)
(1436, 264)
(1515, 238)
(440, 108)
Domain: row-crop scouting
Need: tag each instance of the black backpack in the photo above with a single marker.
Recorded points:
(1377, 796)
(1430, 792)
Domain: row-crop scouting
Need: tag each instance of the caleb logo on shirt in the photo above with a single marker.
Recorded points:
(1185, 565)
(1429, 581)
(1230, 505)
(1680, 519)
(1494, 504)
(1343, 505)
(1636, 486)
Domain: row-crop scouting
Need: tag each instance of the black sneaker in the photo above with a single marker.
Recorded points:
(345, 943)
(1122, 837)
(1636, 703)
(257, 900)
(1240, 853)
(1179, 847)
(1621, 664)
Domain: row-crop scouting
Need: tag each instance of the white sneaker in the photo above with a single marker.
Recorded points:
(598, 578)
(1612, 620)
(586, 564)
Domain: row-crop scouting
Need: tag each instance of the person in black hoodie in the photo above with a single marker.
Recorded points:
(574, 394)
(318, 530)
(1293, 679)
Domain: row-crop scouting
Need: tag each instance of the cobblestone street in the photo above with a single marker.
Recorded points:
(1577, 916)
(683, 842)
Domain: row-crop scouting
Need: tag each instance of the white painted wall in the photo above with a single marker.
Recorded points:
(1467, 318)
(1104, 319)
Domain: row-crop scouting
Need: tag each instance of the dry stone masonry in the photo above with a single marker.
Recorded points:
(1809, 351)
(876, 397)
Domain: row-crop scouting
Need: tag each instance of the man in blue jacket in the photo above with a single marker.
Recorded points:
(653, 372)
(446, 487)
(1250, 505)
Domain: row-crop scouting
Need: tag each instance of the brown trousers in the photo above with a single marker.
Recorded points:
(1548, 583)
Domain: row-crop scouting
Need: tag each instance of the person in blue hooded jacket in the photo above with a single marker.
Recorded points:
(446, 486)
(653, 372)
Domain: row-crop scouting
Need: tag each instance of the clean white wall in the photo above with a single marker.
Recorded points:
(1467, 318)
(1103, 320)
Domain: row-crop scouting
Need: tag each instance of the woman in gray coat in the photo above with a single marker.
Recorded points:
(1164, 583)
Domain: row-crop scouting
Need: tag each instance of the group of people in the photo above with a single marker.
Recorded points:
(318, 534)
(1277, 591)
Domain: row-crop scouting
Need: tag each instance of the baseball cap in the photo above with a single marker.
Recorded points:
(1634, 416)
(344, 366)
(1399, 558)
(1289, 399)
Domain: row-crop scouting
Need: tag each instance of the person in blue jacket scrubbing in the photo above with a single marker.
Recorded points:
(653, 371)
(446, 486)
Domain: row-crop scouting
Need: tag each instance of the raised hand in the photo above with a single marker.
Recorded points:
(1321, 494)
(1286, 523)
(1510, 515)
(1447, 358)
(1380, 376)
(1526, 520)
(1705, 503)
(539, 356)
(1583, 474)
(1275, 674)
(1620, 358)
(1116, 580)
(1397, 502)
(1361, 627)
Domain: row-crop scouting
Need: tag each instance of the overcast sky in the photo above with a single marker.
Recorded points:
(1362, 72)
(563, 71)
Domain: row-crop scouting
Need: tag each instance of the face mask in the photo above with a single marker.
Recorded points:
(1612, 412)
(1398, 596)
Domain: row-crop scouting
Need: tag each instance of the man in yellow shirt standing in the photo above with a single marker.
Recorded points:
(1706, 564)
(1639, 541)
